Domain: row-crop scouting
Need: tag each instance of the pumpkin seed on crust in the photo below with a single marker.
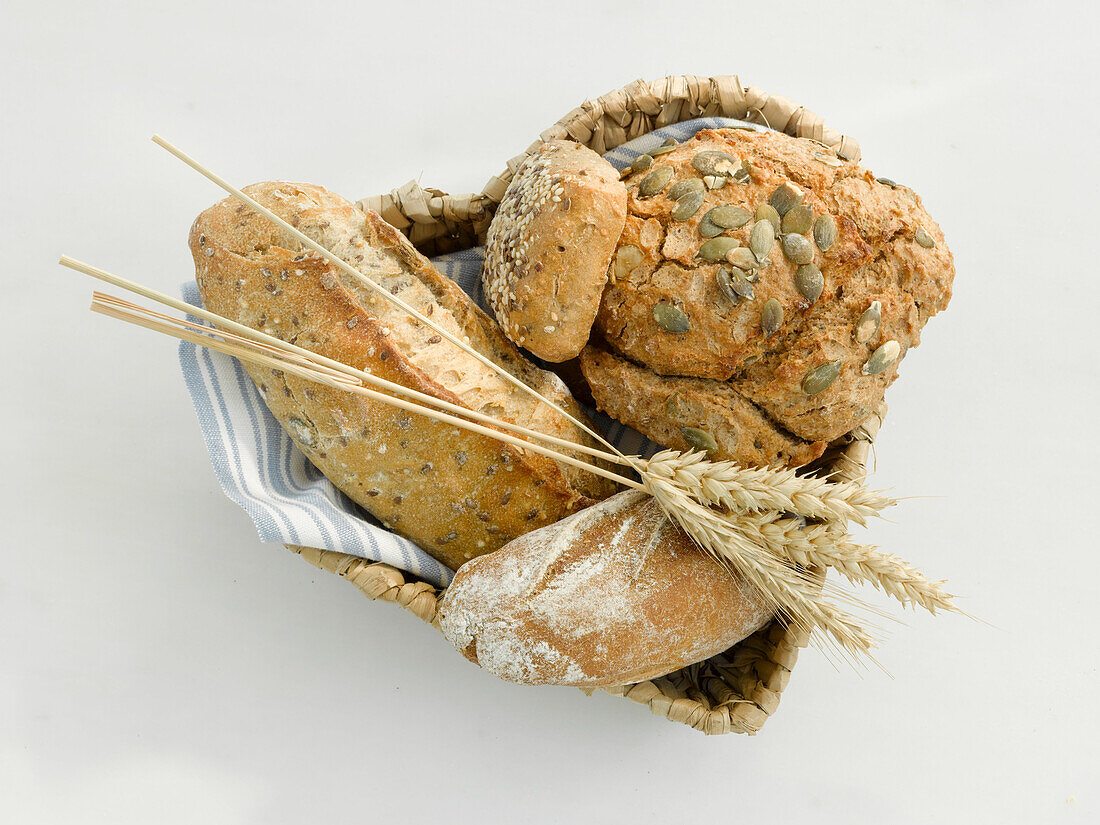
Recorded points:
(810, 282)
(712, 162)
(825, 232)
(729, 216)
(922, 237)
(882, 358)
(766, 212)
(666, 146)
(869, 322)
(797, 248)
(821, 377)
(761, 239)
(786, 197)
(771, 317)
(684, 186)
(798, 220)
(735, 284)
(655, 181)
(699, 440)
(744, 258)
(671, 318)
(716, 249)
(688, 204)
(709, 229)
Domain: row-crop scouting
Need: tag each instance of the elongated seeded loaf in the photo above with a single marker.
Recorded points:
(454, 493)
(611, 595)
(548, 245)
(811, 325)
(691, 414)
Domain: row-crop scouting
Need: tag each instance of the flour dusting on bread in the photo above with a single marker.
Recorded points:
(613, 594)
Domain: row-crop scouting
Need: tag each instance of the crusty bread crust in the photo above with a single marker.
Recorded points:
(661, 407)
(878, 255)
(454, 493)
(612, 595)
(549, 245)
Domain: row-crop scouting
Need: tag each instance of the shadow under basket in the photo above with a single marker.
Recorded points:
(737, 690)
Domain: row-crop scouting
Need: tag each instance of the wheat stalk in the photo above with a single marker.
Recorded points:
(131, 313)
(746, 489)
(267, 344)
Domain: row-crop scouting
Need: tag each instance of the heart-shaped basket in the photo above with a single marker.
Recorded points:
(735, 691)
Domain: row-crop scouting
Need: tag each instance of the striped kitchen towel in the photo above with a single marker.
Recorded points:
(287, 498)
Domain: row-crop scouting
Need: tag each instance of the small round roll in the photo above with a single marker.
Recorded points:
(549, 248)
(612, 595)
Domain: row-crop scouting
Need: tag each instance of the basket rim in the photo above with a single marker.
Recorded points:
(438, 222)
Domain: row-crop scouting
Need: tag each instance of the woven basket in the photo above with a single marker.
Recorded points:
(735, 691)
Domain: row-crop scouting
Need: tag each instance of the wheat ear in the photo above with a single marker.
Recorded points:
(823, 545)
(749, 489)
(790, 590)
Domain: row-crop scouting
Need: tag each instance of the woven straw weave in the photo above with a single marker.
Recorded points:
(735, 691)
(437, 222)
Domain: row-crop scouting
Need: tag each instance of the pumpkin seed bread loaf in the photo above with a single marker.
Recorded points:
(455, 493)
(769, 263)
(547, 249)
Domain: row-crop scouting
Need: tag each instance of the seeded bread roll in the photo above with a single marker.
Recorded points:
(767, 261)
(454, 493)
(691, 414)
(609, 596)
(549, 245)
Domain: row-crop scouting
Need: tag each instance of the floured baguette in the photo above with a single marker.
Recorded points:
(455, 493)
(692, 414)
(609, 596)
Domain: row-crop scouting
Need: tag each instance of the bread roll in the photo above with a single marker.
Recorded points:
(454, 493)
(814, 332)
(612, 595)
(549, 245)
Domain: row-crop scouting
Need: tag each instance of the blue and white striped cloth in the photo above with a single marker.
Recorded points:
(288, 499)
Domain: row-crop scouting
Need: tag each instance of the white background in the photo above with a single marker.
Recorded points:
(160, 665)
